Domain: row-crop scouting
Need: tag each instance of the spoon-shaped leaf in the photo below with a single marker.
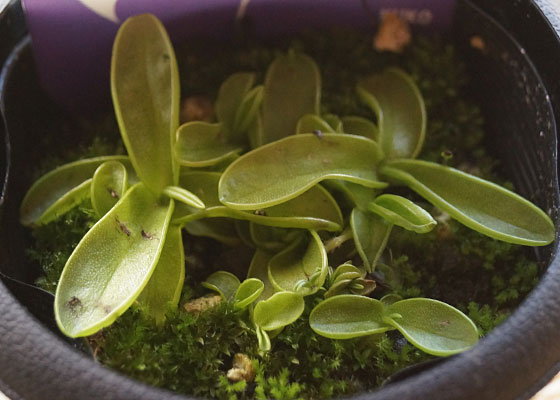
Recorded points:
(302, 261)
(61, 189)
(400, 110)
(259, 269)
(249, 291)
(112, 263)
(184, 196)
(292, 88)
(201, 144)
(145, 90)
(313, 209)
(248, 112)
(280, 310)
(360, 126)
(433, 326)
(481, 205)
(403, 212)
(223, 282)
(280, 171)
(230, 97)
(311, 123)
(348, 316)
(163, 290)
(371, 233)
(109, 183)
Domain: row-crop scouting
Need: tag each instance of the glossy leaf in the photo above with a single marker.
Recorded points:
(109, 183)
(280, 171)
(314, 209)
(481, 205)
(112, 263)
(163, 290)
(248, 112)
(361, 127)
(403, 212)
(348, 316)
(259, 270)
(201, 144)
(433, 326)
(230, 97)
(311, 123)
(184, 196)
(292, 88)
(303, 261)
(400, 110)
(249, 291)
(224, 283)
(145, 90)
(58, 191)
(281, 309)
(371, 233)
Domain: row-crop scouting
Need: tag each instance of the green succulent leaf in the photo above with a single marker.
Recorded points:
(371, 233)
(303, 261)
(280, 171)
(481, 205)
(249, 291)
(247, 113)
(359, 196)
(400, 110)
(259, 270)
(390, 298)
(334, 121)
(292, 88)
(311, 123)
(348, 316)
(224, 283)
(433, 326)
(145, 90)
(220, 229)
(360, 126)
(313, 209)
(109, 184)
(58, 191)
(112, 263)
(230, 98)
(184, 196)
(281, 309)
(271, 238)
(201, 144)
(263, 339)
(403, 212)
(163, 290)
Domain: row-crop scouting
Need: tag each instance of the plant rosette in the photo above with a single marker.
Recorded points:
(273, 162)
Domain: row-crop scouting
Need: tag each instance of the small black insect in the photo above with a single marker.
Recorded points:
(113, 193)
(147, 235)
(318, 133)
(122, 227)
(260, 212)
(74, 302)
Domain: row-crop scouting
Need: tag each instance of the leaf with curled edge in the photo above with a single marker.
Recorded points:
(281, 309)
(371, 233)
(402, 212)
(109, 184)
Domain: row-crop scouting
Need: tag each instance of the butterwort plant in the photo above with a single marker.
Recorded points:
(275, 173)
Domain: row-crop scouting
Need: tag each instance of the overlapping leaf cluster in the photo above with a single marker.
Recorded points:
(279, 197)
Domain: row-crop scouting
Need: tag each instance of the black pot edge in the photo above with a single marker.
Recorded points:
(472, 357)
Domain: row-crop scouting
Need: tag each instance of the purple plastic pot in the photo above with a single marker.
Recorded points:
(518, 86)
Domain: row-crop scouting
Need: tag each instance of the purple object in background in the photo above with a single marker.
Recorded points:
(72, 39)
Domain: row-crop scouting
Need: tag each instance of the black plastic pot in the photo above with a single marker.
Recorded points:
(517, 82)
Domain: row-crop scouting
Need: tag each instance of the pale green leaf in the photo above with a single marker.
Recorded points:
(230, 98)
(311, 123)
(184, 196)
(400, 110)
(109, 184)
(280, 171)
(371, 233)
(145, 90)
(403, 212)
(259, 270)
(334, 121)
(481, 205)
(292, 88)
(360, 126)
(358, 195)
(249, 291)
(201, 144)
(348, 316)
(61, 189)
(281, 309)
(433, 326)
(112, 263)
(224, 283)
(247, 113)
(163, 290)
